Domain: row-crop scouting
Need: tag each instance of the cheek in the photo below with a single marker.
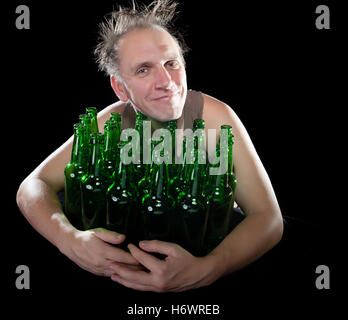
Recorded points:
(140, 88)
(180, 78)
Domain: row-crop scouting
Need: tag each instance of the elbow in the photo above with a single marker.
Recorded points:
(277, 227)
(24, 193)
(20, 194)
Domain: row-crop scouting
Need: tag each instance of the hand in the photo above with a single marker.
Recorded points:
(179, 271)
(90, 250)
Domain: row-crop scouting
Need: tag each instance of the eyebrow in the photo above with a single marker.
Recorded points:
(141, 64)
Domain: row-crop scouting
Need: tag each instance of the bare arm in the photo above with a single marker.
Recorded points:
(38, 201)
(263, 226)
(37, 195)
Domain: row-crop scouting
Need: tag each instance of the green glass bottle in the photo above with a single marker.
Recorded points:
(157, 206)
(200, 154)
(94, 186)
(73, 172)
(85, 120)
(221, 195)
(232, 180)
(120, 197)
(116, 117)
(180, 180)
(140, 118)
(235, 216)
(110, 150)
(145, 184)
(173, 168)
(198, 124)
(138, 167)
(92, 113)
(182, 177)
(191, 204)
(191, 213)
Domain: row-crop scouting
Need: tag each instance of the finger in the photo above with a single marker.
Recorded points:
(104, 271)
(147, 260)
(132, 285)
(119, 255)
(108, 236)
(166, 248)
(136, 276)
(138, 267)
(108, 273)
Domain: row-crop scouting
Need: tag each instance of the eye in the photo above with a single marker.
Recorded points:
(174, 64)
(142, 71)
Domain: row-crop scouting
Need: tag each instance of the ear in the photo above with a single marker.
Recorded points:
(119, 89)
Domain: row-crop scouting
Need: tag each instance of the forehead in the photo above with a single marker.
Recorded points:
(147, 44)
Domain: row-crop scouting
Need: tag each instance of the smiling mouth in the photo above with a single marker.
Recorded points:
(166, 97)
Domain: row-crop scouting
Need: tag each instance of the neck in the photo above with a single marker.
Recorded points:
(155, 124)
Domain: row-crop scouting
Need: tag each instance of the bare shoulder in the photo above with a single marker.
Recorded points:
(118, 106)
(104, 114)
(217, 113)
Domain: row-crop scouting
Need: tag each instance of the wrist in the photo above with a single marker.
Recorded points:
(210, 269)
(65, 232)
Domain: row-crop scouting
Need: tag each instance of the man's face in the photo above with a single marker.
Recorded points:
(153, 73)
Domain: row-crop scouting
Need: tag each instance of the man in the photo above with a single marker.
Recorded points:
(147, 72)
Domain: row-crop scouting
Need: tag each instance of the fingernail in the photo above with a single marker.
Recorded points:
(143, 243)
(114, 277)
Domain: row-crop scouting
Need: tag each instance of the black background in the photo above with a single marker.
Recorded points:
(281, 75)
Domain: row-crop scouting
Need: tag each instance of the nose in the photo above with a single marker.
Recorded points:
(163, 78)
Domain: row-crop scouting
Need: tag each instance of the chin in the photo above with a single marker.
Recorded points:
(165, 118)
(166, 113)
(174, 114)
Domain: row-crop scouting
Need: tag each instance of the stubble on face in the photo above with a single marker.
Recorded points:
(153, 72)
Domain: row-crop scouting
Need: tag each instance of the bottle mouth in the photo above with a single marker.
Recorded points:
(91, 110)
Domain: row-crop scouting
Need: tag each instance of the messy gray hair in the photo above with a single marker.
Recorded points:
(159, 13)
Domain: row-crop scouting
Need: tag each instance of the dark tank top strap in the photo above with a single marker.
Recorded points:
(193, 107)
(128, 117)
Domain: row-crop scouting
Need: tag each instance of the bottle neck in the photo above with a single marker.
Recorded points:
(230, 141)
(110, 142)
(116, 118)
(92, 113)
(78, 149)
(86, 121)
(139, 121)
(76, 142)
(125, 174)
(198, 179)
(230, 154)
(161, 181)
(195, 182)
(96, 162)
(118, 130)
(198, 124)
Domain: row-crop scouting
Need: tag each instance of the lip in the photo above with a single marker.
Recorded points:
(166, 97)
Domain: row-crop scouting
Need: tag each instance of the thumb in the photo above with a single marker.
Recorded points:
(166, 248)
(108, 236)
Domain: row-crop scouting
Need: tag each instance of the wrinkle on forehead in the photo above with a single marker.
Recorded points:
(133, 47)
